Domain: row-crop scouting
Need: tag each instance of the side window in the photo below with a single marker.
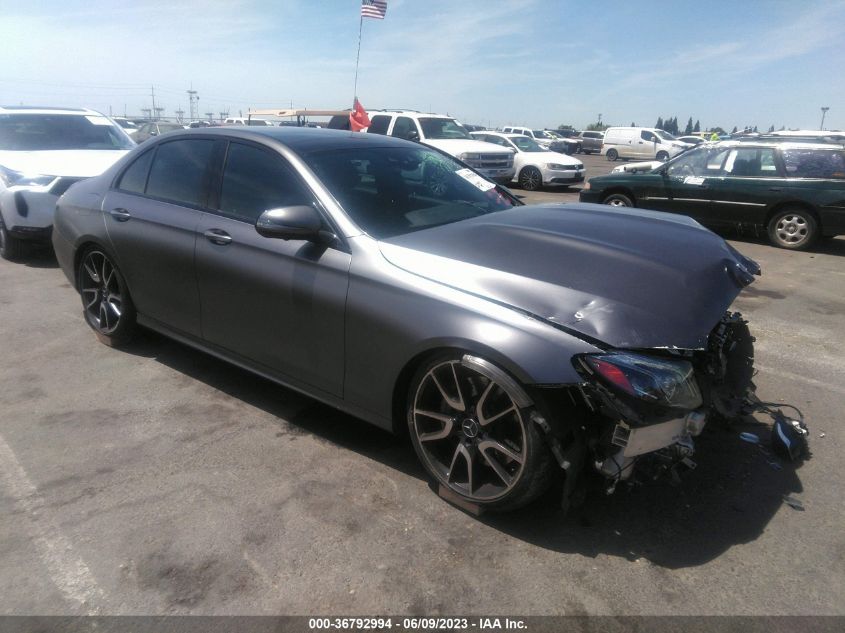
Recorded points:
(178, 171)
(134, 179)
(403, 127)
(379, 124)
(814, 163)
(255, 180)
(749, 162)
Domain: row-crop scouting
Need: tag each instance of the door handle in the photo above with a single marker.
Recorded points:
(121, 215)
(217, 236)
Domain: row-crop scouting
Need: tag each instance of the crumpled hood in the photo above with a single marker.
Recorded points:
(71, 163)
(627, 278)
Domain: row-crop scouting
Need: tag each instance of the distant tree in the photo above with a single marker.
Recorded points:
(771, 128)
(659, 124)
(688, 129)
(697, 127)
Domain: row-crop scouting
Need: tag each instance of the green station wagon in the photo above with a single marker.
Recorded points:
(793, 191)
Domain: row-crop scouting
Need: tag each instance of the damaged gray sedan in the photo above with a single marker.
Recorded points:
(516, 344)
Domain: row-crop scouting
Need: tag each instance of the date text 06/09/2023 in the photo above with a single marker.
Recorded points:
(415, 624)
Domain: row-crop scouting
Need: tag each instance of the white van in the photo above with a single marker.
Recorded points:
(641, 143)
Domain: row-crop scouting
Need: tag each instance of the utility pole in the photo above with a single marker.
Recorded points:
(194, 103)
(824, 112)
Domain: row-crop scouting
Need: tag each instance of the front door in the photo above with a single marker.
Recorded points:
(278, 304)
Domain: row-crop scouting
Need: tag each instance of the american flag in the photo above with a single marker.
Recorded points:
(373, 9)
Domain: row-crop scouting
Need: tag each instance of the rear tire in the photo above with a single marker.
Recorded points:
(473, 438)
(106, 304)
(618, 200)
(793, 228)
(612, 154)
(11, 248)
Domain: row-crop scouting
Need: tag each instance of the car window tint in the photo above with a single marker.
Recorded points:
(749, 162)
(134, 179)
(403, 127)
(255, 180)
(814, 163)
(178, 171)
(379, 124)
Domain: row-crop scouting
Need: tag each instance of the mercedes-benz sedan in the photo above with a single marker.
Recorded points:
(515, 344)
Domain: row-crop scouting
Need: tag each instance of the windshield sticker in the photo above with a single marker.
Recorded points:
(694, 180)
(474, 179)
(98, 120)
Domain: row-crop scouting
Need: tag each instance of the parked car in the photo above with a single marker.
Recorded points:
(130, 127)
(534, 165)
(447, 134)
(793, 192)
(691, 140)
(515, 344)
(155, 128)
(241, 120)
(641, 143)
(43, 151)
(591, 141)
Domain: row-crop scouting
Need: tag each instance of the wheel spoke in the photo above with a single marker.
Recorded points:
(436, 435)
(462, 451)
(92, 273)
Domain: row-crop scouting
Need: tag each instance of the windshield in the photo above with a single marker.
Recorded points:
(443, 129)
(665, 135)
(527, 144)
(39, 132)
(390, 191)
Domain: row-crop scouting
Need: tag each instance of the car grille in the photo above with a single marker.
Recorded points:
(493, 161)
(63, 184)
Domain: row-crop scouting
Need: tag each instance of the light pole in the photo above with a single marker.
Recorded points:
(824, 111)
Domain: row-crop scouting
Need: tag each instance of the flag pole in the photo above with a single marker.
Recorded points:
(358, 57)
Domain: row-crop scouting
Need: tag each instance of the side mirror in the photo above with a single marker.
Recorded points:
(299, 222)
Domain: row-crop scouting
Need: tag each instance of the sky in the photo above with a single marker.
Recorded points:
(539, 63)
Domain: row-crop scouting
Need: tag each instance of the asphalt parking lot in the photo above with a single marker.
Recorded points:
(159, 480)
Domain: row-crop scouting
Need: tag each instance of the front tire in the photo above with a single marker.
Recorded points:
(106, 304)
(11, 248)
(473, 438)
(612, 154)
(793, 228)
(530, 179)
(618, 200)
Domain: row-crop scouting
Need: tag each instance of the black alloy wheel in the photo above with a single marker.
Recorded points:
(106, 303)
(472, 435)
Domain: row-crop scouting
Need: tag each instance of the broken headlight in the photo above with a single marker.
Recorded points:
(656, 380)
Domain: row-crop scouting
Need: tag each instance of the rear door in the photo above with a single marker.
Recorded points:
(151, 218)
(753, 182)
(278, 304)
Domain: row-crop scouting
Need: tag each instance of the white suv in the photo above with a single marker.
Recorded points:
(43, 151)
(445, 133)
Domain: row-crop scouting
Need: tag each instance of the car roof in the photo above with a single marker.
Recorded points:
(302, 140)
(46, 110)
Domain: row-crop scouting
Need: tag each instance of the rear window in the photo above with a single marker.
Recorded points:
(814, 163)
(178, 171)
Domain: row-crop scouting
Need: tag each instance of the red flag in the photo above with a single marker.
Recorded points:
(358, 118)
